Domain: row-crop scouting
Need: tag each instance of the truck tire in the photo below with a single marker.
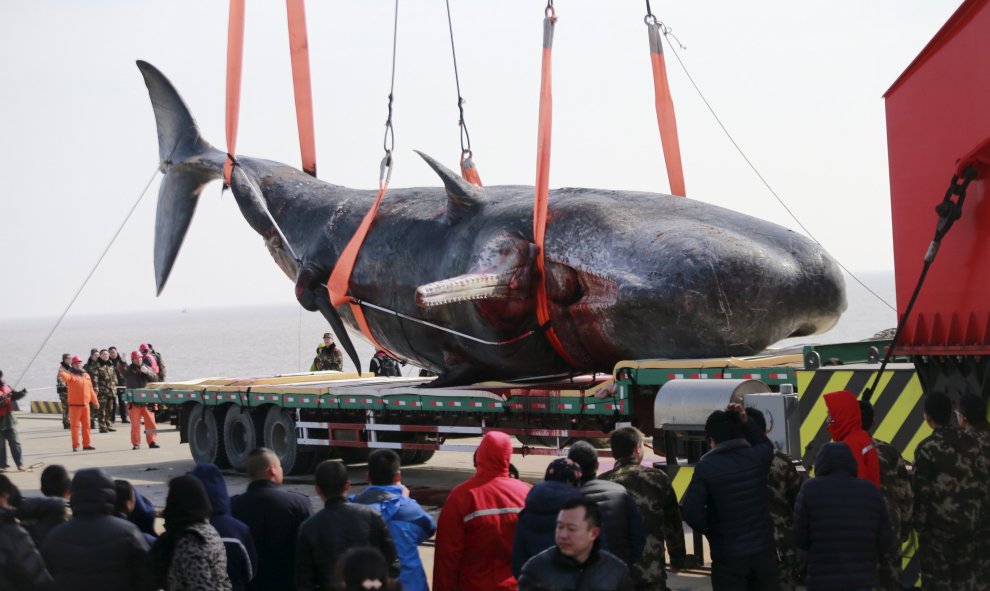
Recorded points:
(240, 436)
(353, 455)
(205, 437)
(423, 456)
(279, 435)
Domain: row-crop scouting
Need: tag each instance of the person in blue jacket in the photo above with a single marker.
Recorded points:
(409, 524)
(242, 558)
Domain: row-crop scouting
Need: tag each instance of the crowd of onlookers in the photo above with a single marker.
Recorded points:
(578, 529)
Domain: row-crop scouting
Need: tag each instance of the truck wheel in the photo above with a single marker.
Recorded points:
(279, 435)
(205, 440)
(240, 436)
(353, 455)
(423, 456)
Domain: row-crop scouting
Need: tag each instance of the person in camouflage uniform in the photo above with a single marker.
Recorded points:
(783, 484)
(972, 415)
(949, 481)
(328, 356)
(657, 503)
(106, 390)
(63, 389)
(92, 367)
(895, 485)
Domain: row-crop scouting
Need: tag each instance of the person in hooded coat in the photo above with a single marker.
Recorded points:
(21, 566)
(478, 524)
(189, 555)
(841, 521)
(845, 424)
(409, 524)
(95, 549)
(538, 520)
(242, 558)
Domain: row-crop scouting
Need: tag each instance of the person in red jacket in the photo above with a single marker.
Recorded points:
(81, 395)
(845, 424)
(478, 524)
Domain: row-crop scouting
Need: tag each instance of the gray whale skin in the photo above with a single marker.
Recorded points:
(630, 275)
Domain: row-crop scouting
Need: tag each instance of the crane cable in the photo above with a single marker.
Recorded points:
(88, 276)
(468, 170)
(338, 285)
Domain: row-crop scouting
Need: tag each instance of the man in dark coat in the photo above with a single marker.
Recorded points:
(338, 527)
(41, 515)
(841, 521)
(538, 519)
(21, 566)
(625, 530)
(242, 558)
(727, 501)
(95, 549)
(273, 515)
(576, 561)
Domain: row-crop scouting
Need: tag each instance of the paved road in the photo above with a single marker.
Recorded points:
(149, 470)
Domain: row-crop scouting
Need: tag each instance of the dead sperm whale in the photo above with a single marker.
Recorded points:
(447, 276)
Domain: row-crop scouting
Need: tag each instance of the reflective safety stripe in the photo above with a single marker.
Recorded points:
(486, 512)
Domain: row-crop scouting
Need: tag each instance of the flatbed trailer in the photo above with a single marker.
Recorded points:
(307, 417)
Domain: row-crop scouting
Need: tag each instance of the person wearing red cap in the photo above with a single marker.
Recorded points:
(845, 424)
(149, 359)
(136, 376)
(81, 395)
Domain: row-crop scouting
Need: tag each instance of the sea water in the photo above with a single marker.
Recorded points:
(279, 339)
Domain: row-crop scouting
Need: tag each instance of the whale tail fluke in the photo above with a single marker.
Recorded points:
(188, 163)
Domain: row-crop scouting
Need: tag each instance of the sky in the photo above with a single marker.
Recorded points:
(798, 84)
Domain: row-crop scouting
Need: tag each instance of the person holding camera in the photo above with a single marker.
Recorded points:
(8, 425)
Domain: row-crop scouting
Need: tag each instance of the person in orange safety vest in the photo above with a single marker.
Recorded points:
(81, 395)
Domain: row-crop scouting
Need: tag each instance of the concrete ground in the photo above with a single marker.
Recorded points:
(45, 442)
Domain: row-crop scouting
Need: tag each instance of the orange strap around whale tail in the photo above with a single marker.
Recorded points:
(665, 111)
(301, 83)
(543, 184)
(235, 61)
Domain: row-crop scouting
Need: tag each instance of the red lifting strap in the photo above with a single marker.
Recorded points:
(665, 112)
(543, 185)
(469, 171)
(301, 86)
(235, 59)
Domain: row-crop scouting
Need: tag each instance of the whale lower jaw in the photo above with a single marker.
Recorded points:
(465, 288)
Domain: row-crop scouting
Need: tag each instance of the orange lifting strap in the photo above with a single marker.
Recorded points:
(543, 184)
(340, 277)
(235, 59)
(299, 52)
(665, 110)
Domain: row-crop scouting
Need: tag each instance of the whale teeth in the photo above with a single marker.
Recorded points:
(461, 289)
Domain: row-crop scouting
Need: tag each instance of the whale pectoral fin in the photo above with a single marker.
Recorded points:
(462, 195)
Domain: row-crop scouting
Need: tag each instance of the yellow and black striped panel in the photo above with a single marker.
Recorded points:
(46, 407)
(897, 404)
